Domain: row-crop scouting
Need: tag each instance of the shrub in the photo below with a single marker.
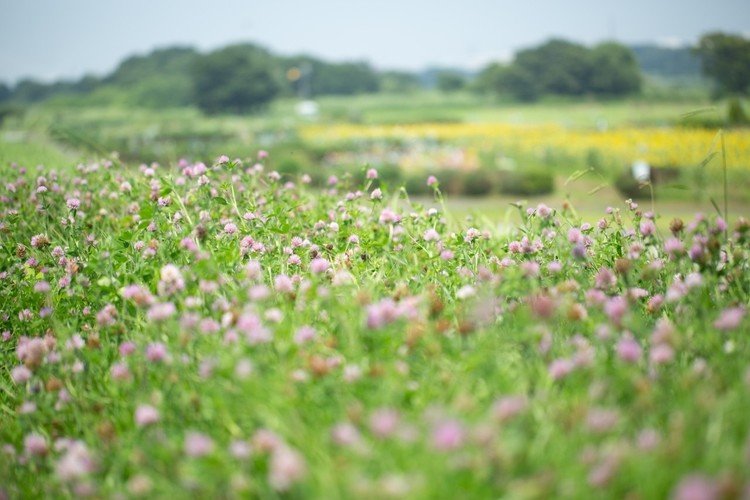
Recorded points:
(527, 183)
(416, 184)
(451, 181)
(480, 182)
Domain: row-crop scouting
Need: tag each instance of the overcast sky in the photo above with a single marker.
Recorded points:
(50, 39)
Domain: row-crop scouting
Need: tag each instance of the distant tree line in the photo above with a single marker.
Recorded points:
(245, 77)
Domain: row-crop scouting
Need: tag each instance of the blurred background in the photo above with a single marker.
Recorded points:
(586, 101)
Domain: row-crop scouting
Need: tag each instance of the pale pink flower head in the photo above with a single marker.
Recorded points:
(554, 267)
(530, 268)
(127, 348)
(648, 439)
(696, 487)
(448, 435)
(156, 352)
(107, 315)
(240, 449)
(31, 351)
(345, 434)
(647, 227)
(560, 368)
(137, 294)
(75, 462)
(266, 441)
(120, 371)
(319, 265)
(661, 354)
(198, 445)
(283, 284)
(73, 203)
(600, 420)
(730, 318)
(543, 211)
(432, 181)
(431, 235)
(253, 270)
(20, 374)
(161, 311)
(35, 444)
(508, 407)
(262, 154)
(629, 350)
(372, 174)
(382, 313)
(388, 216)
(542, 306)
(673, 247)
(146, 415)
(446, 254)
(575, 235)
(605, 279)
(615, 308)
(287, 467)
(384, 422)
(304, 334)
(258, 292)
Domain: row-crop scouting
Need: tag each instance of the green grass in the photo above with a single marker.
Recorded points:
(30, 150)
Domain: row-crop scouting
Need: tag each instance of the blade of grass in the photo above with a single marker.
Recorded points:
(577, 175)
(726, 186)
(598, 188)
(700, 111)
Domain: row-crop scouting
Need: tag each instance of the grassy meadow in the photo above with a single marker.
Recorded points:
(270, 306)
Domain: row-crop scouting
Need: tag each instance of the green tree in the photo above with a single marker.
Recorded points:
(726, 59)
(450, 81)
(490, 79)
(520, 83)
(160, 79)
(398, 81)
(557, 67)
(5, 92)
(29, 91)
(235, 79)
(614, 70)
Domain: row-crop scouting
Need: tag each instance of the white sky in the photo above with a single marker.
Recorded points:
(50, 39)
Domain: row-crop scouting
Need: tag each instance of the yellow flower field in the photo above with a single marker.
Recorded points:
(668, 146)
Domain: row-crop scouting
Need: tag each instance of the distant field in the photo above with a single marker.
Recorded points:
(437, 107)
(558, 136)
(31, 150)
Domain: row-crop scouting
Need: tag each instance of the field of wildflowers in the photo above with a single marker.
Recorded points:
(219, 330)
(660, 146)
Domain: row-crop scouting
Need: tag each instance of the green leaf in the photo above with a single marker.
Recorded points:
(147, 212)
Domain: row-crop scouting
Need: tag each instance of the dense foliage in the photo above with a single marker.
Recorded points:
(726, 59)
(235, 79)
(559, 67)
(212, 331)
